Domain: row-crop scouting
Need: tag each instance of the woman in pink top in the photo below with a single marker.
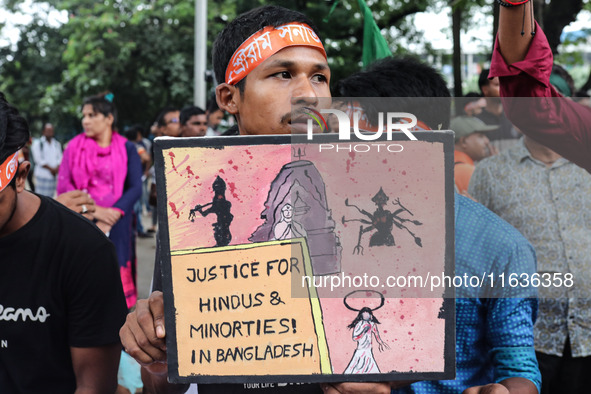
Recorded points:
(106, 166)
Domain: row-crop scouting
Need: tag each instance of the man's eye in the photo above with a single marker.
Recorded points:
(320, 78)
(282, 74)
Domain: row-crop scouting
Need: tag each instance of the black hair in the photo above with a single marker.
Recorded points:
(132, 132)
(160, 119)
(483, 78)
(14, 132)
(401, 77)
(189, 111)
(100, 104)
(244, 26)
(562, 73)
(360, 317)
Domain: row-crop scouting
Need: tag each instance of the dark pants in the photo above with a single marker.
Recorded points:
(565, 374)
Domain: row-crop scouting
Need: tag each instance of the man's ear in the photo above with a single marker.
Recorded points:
(227, 97)
(21, 175)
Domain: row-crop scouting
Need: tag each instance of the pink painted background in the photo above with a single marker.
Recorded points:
(409, 325)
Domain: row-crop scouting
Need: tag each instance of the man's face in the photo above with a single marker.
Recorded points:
(295, 75)
(492, 89)
(476, 145)
(214, 119)
(172, 127)
(48, 132)
(196, 126)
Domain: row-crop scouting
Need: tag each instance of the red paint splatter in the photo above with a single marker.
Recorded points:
(173, 207)
(222, 171)
(189, 171)
(232, 187)
(247, 152)
(172, 156)
(348, 166)
(235, 167)
(352, 155)
(402, 317)
(403, 172)
(384, 161)
(410, 333)
(230, 162)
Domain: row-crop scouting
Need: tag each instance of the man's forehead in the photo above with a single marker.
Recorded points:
(297, 56)
(197, 118)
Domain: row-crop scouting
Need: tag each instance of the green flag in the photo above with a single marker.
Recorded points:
(374, 45)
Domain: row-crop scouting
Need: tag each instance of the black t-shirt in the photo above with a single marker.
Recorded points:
(59, 288)
(250, 388)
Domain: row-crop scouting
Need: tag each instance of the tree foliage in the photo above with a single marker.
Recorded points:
(142, 51)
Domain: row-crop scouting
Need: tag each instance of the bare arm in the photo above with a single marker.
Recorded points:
(96, 368)
(513, 45)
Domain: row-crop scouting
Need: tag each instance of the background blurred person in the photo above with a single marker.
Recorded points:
(214, 117)
(47, 154)
(494, 114)
(108, 167)
(135, 135)
(193, 122)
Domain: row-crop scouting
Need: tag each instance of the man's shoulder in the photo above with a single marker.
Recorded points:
(477, 221)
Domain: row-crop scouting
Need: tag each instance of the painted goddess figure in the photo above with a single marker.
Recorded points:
(364, 327)
(287, 227)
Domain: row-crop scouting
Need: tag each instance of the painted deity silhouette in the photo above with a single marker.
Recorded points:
(382, 221)
(365, 328)
(221, 208)
(296, 206)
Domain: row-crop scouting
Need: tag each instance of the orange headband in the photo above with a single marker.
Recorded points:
(8, 170)
(267, 42)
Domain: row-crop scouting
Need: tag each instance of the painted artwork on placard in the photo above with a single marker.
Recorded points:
(286, 260)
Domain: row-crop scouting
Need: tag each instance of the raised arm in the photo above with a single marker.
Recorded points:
(513, 21)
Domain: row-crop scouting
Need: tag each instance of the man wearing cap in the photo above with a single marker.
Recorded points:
(471, 145)
(61, 300)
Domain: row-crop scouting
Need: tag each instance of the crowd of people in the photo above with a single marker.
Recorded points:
(521, 206)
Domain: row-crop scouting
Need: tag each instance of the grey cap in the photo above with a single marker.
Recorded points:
(463, 126)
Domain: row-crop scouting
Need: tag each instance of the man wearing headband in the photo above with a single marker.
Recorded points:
(522, 60)
(61, 300)
(264, 69)
(266, 58)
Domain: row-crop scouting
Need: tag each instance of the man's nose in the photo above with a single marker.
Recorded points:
(304, 93)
